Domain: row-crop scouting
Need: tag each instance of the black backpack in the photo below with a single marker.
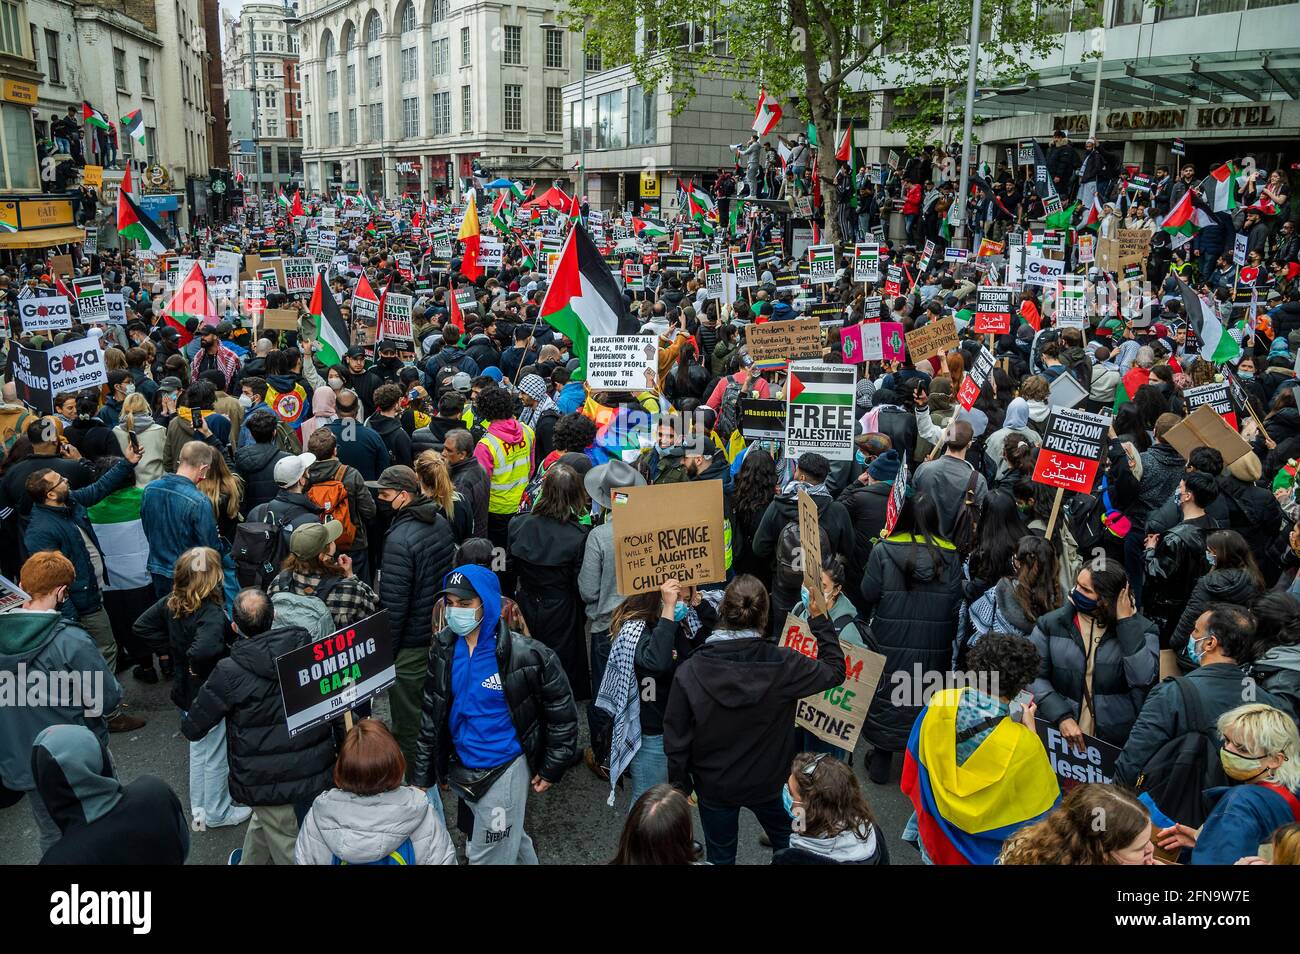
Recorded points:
(728, 410)
(789, 553)
(964, 526)
(1180, 771)
(259, 548)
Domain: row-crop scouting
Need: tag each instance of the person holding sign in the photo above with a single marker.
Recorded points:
(497, 715)
(729, 728)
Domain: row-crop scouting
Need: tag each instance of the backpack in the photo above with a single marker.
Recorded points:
(258, 548)
(789, 552)
(729, 410)
(307, 611)
(403, 854)
(332, 498)
(1180, 771)
(964, 527)
(532, 492)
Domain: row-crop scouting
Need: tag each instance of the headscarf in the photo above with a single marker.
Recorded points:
(323, 409)
(535, 388)
(1017, 414)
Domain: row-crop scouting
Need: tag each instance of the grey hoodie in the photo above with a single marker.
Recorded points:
(362, 829)
(596, 579)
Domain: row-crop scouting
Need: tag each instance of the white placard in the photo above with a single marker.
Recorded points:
(622, 362)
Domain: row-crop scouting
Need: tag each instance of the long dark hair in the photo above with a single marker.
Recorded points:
(1108, 580)
(1000, 530)
(657, 831)
(564, 497)
(755, 486)
(1232, 552)
(1038, 586)
(683, 375)
(744, 604)
(920, 517)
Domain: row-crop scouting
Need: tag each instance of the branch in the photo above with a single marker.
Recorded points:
(844, 72)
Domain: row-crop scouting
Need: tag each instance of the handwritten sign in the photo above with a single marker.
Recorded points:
(668, 531)
(784, 340)
(936, 338)
(836, 715)
(622, 362)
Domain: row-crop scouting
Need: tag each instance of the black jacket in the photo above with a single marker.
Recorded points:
(418, 551)
(364, 384)
(196, 643)
(146, 827)
(484, 353)
(537, 694)
(1254, 513)
(544, 434)
(831, 515)
(697, 380)
(866, 505)
(267, 766)
(471, 482)
(255, 463)
(395, 439)
(434, 434)
(729, 730)
(900, 427)
(1218, 586)
(1172, 570)
(93, 437)
(290, 510)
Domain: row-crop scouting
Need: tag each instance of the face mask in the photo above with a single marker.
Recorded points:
(804, 595)
(462, 619)
(679, 612)
(130, 389)
(1209, 557)
(336, 384)
(860, 457)
(1082, 603)
(1025, 509)
(245, 401)
(169, 395)
(787, 800)
(1241, 768)
(1246, 375)
(1194, 649)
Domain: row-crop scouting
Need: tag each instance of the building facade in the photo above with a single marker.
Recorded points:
(411, 96)
(218, 141)
(261, 61)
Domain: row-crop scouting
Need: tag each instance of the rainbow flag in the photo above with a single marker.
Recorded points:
(965, 812)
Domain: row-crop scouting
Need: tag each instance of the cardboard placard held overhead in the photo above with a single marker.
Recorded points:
(280, 319)
(254, 264)
(622, 362)
(1204, 427)
(935, 338)
(61, 266)
(784, 340)
(668, 531)
(836, 715)
(810, 543)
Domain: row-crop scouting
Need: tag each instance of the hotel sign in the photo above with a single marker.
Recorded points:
(1260, 116)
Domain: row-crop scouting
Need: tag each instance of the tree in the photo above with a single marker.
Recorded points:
(817, 54)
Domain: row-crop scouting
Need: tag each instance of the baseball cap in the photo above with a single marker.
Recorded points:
(458, 584)
(312, 539)
(356, 351)
(462, 382)
(289, 470)
(396, 477)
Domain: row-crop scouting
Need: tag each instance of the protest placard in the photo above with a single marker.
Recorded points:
(280, 319)
(992, 310)
(327, 677)
(936, 338)
(746, 272)
(634, 276)
(822, 264)
(45, 314)
(1064, 391)
(90, 298)
(836, 715)
(713, 276)
(73, 366)
(299, 275)
(365, 303)
(490, 253)
(789, 340)
(893, 280)
(760, 419)
(866, 262)
(975, 379)
(1096, 763)
(1205, 427)
(61, 266)
(819, 412)
(622, 362)
(1071, 304)
(809, 555)
(1072, 449)
(668, 531)
(253, 296)
(395, 325)
(116, 304)
(1042, 271)
(1216, 396)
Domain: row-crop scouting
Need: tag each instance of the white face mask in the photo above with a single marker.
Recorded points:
(245, 401)
(336, 384)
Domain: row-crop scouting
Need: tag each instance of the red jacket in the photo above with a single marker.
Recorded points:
(912, 203)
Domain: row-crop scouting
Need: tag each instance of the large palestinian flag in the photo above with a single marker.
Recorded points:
(190, 301)
(583, 298)
(135, 224)
(1184, 220)
(1220, 188)
(1218, 345)
(331, 329)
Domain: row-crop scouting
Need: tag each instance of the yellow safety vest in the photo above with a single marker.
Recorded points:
(510, 467)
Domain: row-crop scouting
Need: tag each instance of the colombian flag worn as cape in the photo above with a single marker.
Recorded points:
(965, 812)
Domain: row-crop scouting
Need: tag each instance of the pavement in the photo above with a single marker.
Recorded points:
(570, 824)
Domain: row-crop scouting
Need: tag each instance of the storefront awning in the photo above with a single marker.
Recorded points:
(42, 238)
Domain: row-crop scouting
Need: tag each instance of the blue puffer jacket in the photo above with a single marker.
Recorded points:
(60, 528)
(1243, 818)
(176, 516)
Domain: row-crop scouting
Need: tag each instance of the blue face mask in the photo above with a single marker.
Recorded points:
(1246, 375)
(1082, 603)
(1209, 557)
(679, 612)
(787, 800)
(1194, 650)
(803, 595)
(860, 457)
(462, 619)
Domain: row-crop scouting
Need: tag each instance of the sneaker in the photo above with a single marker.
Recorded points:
(236, 816)
(145, 674)
(125, 723)
(166, 667)
(598, 770)
(235, 856)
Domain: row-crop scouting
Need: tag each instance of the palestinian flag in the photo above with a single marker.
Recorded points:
(575, 209)
(1220, 188)
(812, 135)
(283, 200)
(812, 386)
(1094, 215)
(499, 219)
(1184, 220)
(191, 300)
(295, 209)
(120, 535)
(583, 298)
(331, 329)
(1062, 219)
(651, 228)
(469, 237)
(6, 228)
(135, 224)
(517, 191)
(700, 201)
(1218, 345)
(767, 115)
(92, 116)
(133, 125)
(733, 219)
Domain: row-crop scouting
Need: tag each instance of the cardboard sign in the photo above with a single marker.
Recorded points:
(365, 303)
(836, 715)
(1216, 396)
(668, 531)
(784, 340)
(299, 276)
(1096, 763)
(975, 379)
(280, 319)
(1071, 304)
(810, 547)
(1064, 391)
(45, 314)
(822, 264)
(713, 276)
(743, 267)
(327, 677)
(866, 262)
(395, 325)
(936, 338)
(61, 266)
(819, 412)
(74, 366)
(622, 362)
(760, 419)
(992, 310)
(1072, 449)
(1205, 427)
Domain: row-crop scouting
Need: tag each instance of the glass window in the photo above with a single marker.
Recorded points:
(145, 87)
(513, 108)
(273, 127)
(352, 79)
(1176, 9)
(439, 66)
(19, 169)
(266, 160)
(408, 18)
(266, 43)
(375, 112)
(11, 37)
(593, 61)
(119, 68)
(464, 46)
(332, 137)
(374, 69)
(295, 160)
(1128, 11)
(439, 11)
(52, 57)
(513, 53)
(411, 117)
(352, 126)
(442, 114)
(408, 63)
(581, 122)
(554, 109)
(1221, 6)
(373, 29)
(332, 84)
(555, 49)
(641, 117)
(611, 121)
(282, 159)
(466, 108)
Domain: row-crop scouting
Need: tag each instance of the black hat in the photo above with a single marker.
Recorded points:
(459, 586)
(356, 351)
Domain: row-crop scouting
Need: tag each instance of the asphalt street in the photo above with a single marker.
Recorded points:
(570, 824)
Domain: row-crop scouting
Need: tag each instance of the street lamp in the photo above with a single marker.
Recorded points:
(582, 111)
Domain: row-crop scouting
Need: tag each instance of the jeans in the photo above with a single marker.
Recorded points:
(404, 698)
(434, 795)
(210, 799)
(499, 837)
(162, 585)
(649, 767)
(721, 823)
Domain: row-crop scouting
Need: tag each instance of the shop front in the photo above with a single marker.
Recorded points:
(408, 175)
(37, 222)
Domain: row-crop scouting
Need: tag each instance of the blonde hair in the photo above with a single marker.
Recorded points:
(1286, 845)
(435, 480)
(134, 404)
(198, 579)
(1263, 731)
(220, 480)
(114, 359)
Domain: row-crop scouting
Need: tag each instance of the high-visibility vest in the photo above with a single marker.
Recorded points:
(510, 466)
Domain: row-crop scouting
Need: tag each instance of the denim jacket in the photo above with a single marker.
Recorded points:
(176, 516)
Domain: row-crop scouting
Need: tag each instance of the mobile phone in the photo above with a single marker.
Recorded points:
(133, 441)
(1021, 701)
